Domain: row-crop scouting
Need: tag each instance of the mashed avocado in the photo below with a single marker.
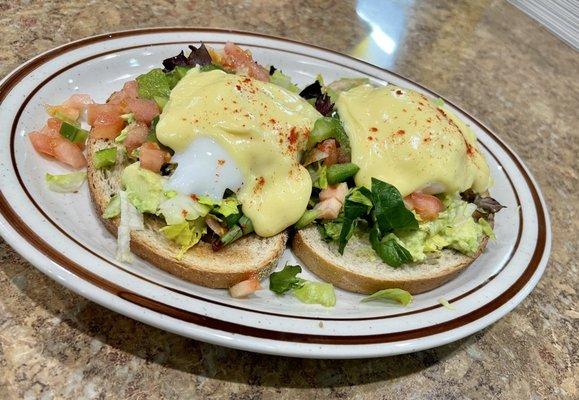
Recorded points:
(454, 228)
(144, 188)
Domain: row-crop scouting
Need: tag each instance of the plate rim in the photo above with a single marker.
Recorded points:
(529, 179)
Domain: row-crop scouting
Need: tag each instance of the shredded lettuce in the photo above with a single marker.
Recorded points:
(225, 207)
(66, 183)
(180, 208)
(487, 228)
(131, 219)
(316, 293)
(113, 208)
(305, 291)
(185, 235)
(280, 79)
(445, 303)
(390, 295)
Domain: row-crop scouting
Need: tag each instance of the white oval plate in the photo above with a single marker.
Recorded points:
(61, 235)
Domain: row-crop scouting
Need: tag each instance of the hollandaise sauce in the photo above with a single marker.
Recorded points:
(262, 126)
(400, 137)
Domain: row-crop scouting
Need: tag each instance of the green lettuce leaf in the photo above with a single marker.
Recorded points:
(280, 79)
(487, 228)
(154, 84)
(316, 293)
(286, 279)
(390, 295)
(179, 208)
(225, 207)
(113, 208)
(66, 183)
(185, 235)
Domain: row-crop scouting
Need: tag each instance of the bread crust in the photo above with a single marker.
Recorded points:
(250, 256)
(306, 246)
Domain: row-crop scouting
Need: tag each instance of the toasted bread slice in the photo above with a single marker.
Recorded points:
(360, 270)
(247, 257)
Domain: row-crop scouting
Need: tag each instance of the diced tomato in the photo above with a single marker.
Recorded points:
(136, 136)
(52, 127)
(244, 288)
(235, 57)
(41, 143)
(426, 205)
(78, 101)
(105, 120)
(143, 110)
(68, 153)
(123, 96)
(94, 110)
(131, 89)
(330, 147)
(152, 157)
(107, 126)
(258, 72)
(58, 147)
(239, 60)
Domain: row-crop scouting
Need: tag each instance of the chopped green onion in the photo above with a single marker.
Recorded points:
(341, 172)
(244, 227)
(105, 158)
(73, 133)
(307, 218)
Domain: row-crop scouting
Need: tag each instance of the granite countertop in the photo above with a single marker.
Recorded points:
(487, 56)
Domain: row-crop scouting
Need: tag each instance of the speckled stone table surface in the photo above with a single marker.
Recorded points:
(486, 56)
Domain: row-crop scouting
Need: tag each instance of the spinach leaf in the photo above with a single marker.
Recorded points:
(388, 248)
(389, 213)
(353, 209)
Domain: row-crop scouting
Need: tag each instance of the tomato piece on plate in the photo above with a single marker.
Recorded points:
(68, 153)
(244, 288)
(41, 143)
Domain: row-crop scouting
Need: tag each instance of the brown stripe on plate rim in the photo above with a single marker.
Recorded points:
(185, 315)
(187, 294)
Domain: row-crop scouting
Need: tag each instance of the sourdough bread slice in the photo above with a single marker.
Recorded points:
(360, 270)
(247, 257)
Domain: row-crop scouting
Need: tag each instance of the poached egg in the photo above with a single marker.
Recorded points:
(234, 132)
